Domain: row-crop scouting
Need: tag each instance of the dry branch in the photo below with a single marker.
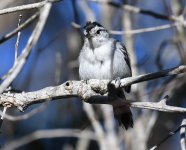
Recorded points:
(91, 92)
(134, 9)
(22, 26)
(144, 30)
(181, 128)
(178, 20)
(25, 7)
(137, 31)
(45, 134)
(26, 51)
(26, 115)
(159, 106)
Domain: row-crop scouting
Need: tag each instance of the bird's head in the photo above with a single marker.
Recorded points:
(94, 30)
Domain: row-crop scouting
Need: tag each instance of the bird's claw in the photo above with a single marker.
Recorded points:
(117, 82)
(86, 81)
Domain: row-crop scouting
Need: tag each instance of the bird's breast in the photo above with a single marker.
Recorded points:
(96, 64)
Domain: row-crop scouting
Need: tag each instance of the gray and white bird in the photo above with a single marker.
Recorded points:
(103, 57)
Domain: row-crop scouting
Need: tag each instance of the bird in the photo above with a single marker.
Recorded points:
(103, 57)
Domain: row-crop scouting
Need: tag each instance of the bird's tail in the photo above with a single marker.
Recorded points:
(124, 115)
(122, 112)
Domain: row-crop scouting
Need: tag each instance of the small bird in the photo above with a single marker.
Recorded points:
(103, 57)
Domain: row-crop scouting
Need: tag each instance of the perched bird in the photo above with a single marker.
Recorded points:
(103, 57)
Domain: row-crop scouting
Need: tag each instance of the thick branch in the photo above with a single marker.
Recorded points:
(91, 92)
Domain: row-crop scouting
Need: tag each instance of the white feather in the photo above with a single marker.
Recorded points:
(105, 61)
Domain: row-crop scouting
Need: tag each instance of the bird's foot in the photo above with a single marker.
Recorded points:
(117, 82)
(86, 81)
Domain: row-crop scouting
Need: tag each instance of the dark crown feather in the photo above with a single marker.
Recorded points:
(89, 25)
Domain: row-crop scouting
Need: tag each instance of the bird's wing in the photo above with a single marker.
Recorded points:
(126, 56)
(127, 60)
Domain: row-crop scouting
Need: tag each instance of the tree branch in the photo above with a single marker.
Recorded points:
(134, 9)
(181, 128)
(95, 92)
(143, 30)
(45, 134)
(166, 138)
(30, 44)
(26, 115)
(159, 106)
(22, 26)
(25, 7)
(136, 31)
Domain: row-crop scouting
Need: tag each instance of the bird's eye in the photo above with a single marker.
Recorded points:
(98, 32)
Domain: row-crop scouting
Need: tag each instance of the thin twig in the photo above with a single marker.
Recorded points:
(133, 9)
(23, 7)
(183, 125)
(31, 43)
(158, 106)
(166, 138)
(22, 26)
(138, 10)
(17, 41)
(144, 30)
(136, 31)
(25, 116)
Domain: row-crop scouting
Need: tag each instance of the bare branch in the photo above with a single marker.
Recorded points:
(151, 76)
(159, 106)
(25, 116)
(22, 26)
(182, 135)
(132, 9)
(86, 91)
(17, 41)
(143, 30)
(136, 31)
(25, 7)
(45, 134)
(25, 53)
(179, 19)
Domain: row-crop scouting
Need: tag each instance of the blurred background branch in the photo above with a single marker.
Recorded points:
(154, 34)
